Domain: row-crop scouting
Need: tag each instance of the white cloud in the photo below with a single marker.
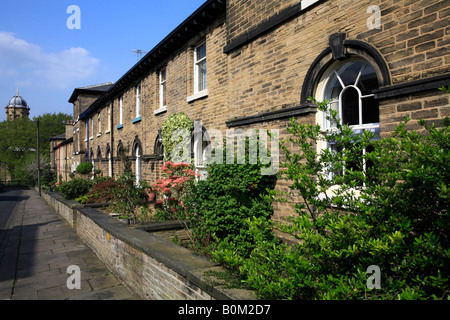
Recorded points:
(32, 64)
(67, 67)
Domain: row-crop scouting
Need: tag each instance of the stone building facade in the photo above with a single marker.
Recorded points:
(69, 149)
(253, 64)
(58, 155)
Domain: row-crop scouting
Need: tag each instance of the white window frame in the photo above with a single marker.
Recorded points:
(87, 130)
(109, 118)
(306, 3)
(197, 62)
(138, 99)
(91, 135)
(79, 139)
(110, 163)
(321, 95)
(201, 147)
(138, 164)
(121, 110)
(99, 124)
(163, 88)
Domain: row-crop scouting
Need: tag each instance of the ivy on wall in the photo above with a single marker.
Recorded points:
(170, 126)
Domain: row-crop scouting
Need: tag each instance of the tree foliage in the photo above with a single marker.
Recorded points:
(219, 206)
(17, 144)
(393, 215)
(85, 167)
(18, 141)
(50, 125)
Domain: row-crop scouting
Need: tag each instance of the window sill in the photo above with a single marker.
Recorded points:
(198, 95)
(335, 190)
(91, 138)
(136, 120)
(306, 3)
(106, 132)
(160, 110)
(120, 126)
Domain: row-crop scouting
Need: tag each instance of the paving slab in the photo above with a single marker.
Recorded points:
(37, 246)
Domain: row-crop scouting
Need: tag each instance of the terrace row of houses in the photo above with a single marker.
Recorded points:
(253, 64)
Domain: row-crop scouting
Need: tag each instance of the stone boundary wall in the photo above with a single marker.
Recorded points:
(149, 266)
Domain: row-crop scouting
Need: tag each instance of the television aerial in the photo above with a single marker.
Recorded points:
(139, 53)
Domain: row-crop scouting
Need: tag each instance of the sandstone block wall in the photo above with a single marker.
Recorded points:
(258, 57)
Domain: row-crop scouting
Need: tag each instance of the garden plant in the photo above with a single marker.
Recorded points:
(367, 202)
(393, 215)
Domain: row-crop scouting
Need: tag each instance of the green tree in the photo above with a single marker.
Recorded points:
(393, 215)
(50, 125)
(18, 141)
(128, 198)
(17, 144)
(219, 206)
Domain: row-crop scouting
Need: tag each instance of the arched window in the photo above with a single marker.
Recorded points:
(138, 155)
(110, 164)
(99, 154)
(348, 86)
(99, 159)
(159, 147)
(200, 146)
(120, 150)
(92, 160)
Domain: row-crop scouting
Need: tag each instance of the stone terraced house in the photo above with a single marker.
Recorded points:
(254, 63)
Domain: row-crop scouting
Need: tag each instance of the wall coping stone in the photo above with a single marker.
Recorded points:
(161, 226)
(177, 258)
(70, 203)
(181, 260)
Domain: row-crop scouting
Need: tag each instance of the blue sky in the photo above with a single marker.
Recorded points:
(47, 60)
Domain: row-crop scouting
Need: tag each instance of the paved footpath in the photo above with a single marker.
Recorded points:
(36, 248)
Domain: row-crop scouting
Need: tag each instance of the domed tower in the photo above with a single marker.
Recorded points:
(17, 107)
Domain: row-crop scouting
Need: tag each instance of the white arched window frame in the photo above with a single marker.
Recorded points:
(110, 164)
(348, 86)
(201, 148)
(93, 165)
(138, 155)
(138, 100)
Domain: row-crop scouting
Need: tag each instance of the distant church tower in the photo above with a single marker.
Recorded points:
(17, 107)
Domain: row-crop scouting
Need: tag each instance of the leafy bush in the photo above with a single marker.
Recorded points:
(75, 188)
(84, 168)
(219, 206)
(173, 188)
(394, 216)
(102, 191)
(128, 197)
(47, 175)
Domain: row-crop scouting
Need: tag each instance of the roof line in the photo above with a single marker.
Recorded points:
(206, 13)
(96, 85)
